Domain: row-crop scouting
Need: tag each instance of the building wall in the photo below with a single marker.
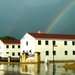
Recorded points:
(1, 48)
(62, 52)
(5, 52)
(43, 48)
(60, 49)
(9, 51)
(31, 43)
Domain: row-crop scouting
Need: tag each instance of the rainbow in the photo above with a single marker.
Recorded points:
(62, 13)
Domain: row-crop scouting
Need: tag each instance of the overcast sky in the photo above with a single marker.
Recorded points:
(20, 16)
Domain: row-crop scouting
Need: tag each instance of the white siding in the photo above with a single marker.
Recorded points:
(11, 50)
(43, 48)
(31, 43)
(1, 49)
(60, 48)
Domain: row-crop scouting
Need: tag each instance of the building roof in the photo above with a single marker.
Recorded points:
(57, 36)
(11, 41)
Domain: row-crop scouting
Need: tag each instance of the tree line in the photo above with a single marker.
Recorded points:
(8, 38)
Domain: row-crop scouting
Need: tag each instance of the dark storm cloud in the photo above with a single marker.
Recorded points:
(20, 16)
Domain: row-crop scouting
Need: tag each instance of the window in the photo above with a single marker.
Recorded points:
(73, 52)
(26, 43)
(18, 46)
(18, 53)
(66, 53)
(47, 52)
(7, 52)
(54, 52)
(39, 42)
(54, 42)
(65, 42)
(13, 46)
(46, 42)
(7, 46)
(13, 54)
(73, 42)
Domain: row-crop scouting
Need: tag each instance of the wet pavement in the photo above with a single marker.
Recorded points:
(35, 69)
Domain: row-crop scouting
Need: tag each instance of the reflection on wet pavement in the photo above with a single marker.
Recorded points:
(35, 69)
(29, 68)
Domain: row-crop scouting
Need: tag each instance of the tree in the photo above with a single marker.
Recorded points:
(8, 38)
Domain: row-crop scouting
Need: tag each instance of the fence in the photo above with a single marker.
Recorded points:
(12, 59)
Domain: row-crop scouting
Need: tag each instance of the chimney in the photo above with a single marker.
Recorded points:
(39, 32)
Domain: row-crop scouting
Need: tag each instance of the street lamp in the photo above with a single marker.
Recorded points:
(53, 61)
(53, 53)
(53, 57)
(53, 50)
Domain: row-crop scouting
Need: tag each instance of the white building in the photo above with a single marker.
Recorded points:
(10, 48)
(61, 45)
